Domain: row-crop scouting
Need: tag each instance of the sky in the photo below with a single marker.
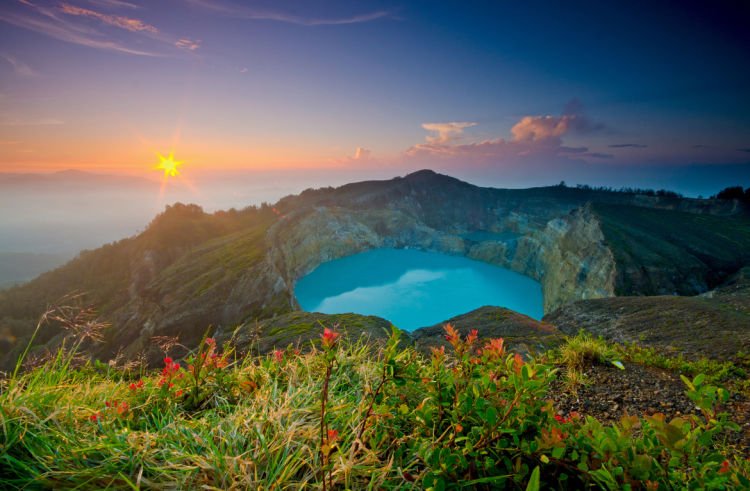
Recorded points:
(501, 93)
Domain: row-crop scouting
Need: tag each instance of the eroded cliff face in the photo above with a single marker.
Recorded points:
(566, 254)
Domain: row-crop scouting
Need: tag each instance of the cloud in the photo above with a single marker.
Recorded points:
(535, 128)
(127, 23)
(744, 150)
(244, 70)
(627, 145)
(47, 21)
(361, 154)
(537, 138)
(112, 4)
(446, 132)
(188, 44)
(19, 67)
(251, 13)
(573, 119)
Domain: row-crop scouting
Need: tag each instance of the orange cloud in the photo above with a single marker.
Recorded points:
(534, 128)
(533, 137)
(133, 25)
(446, 131)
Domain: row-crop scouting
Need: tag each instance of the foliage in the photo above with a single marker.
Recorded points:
(343, 416)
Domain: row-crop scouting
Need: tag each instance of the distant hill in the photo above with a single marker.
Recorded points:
(189, 269)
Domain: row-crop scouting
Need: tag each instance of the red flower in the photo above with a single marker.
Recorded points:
(136, 385)
(167, 360)
(333, 435)
(178, 393)
(329, 337)
(122, 408)
(210, 341)
(95, 417)
(724, 467)
(473, 335)
(278, 356)
(517, 363)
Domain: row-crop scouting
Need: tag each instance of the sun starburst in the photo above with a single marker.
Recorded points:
(169, 165)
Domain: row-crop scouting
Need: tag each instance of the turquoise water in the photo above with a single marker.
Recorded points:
(413, 288)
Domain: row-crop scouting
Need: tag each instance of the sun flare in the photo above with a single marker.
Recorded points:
(169, 165)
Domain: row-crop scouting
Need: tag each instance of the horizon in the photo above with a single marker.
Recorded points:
(370, 88)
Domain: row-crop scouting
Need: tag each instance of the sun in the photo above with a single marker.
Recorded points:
(169, 165)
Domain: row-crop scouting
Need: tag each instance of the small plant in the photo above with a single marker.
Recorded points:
(469, 415)
(583, 350)
(328, 437)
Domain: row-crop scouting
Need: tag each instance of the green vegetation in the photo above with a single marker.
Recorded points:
(183, 253)
(341, 416)
(698, 251)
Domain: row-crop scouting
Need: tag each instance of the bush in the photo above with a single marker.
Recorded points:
(344, 417)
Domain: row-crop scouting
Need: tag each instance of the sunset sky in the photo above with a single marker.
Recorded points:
(510, 88)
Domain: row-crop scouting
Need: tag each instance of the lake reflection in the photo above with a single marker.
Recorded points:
(413, 288)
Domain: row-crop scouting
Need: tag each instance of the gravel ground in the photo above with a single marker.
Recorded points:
(638, 390)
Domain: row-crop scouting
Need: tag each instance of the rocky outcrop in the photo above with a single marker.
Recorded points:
(715, 324)
(521, 333)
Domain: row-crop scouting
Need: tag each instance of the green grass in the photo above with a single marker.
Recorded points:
(401, 420)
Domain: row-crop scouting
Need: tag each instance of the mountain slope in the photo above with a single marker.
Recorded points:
(190, 270)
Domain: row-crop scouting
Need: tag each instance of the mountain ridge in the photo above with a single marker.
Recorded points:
(190, 269)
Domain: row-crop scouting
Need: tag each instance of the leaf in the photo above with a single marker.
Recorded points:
(687, 382)
(533, 484)
(618, 364)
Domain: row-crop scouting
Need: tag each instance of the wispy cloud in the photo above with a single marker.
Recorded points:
(251, 13)
(127, 23)
(188, 44)
(627, 145)
(112, 4)
(47, 21)
(19, 67)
